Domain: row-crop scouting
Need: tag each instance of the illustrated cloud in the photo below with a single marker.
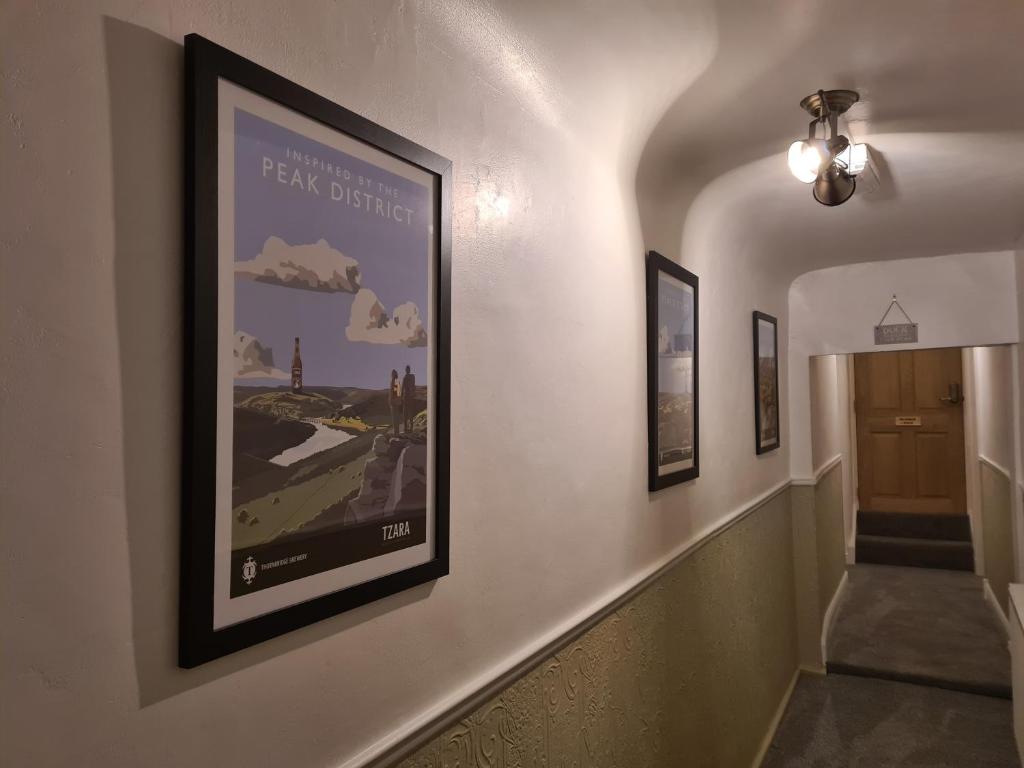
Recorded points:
(370, 322)
(316, 267)
(253, 360)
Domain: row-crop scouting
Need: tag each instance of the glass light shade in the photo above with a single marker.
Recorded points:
(805, 160)
(854, 158)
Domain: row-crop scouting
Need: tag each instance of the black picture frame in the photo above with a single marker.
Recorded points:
(206, 63)
(760, 445)
(657, 479)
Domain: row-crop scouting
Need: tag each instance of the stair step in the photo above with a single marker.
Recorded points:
(918, 553)
(914, 525)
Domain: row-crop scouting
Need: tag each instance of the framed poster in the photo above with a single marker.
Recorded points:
(672, 435)
(766, 383)
(317, 359)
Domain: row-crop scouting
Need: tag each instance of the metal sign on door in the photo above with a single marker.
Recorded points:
(895, 333)
(908, 421)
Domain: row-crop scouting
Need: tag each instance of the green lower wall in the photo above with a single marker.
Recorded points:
(819, 551)
(997, 533)
(690, 672)
(831, 540)
(805, 577)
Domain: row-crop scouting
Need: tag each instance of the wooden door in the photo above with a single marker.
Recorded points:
(910, 431)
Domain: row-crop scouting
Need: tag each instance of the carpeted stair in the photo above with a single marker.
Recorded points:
(920, 625)
(915, 539)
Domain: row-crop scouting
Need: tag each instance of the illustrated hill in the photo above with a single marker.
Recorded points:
(366, 471)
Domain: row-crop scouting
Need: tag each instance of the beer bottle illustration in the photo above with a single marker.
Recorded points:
(297, 369)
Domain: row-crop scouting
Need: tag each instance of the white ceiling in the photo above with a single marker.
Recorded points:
(698, 100)
(942, 86)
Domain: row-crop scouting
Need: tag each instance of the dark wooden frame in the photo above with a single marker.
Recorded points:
(657, 263)
(205, 63)
(758, 316)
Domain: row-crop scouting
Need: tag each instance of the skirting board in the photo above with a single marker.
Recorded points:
(766, 742)
(830, 615)
(994, 602)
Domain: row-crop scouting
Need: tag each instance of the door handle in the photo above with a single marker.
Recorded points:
(955, 396)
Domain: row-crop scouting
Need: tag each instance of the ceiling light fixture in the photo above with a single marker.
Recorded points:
(831, 162)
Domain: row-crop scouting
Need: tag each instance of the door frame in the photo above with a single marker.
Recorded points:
(972, 468)
(971, 459)
(851, 481)
(854, 421)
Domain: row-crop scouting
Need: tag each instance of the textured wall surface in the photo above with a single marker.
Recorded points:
(997, 529)
(831, 549)
(690, 672)
(819, 557)
(807, 590)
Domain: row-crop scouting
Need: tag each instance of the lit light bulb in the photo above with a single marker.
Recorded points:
(805, 160)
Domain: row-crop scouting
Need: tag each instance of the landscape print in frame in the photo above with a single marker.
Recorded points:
(672, 373)
(766, 383)
(316, 466)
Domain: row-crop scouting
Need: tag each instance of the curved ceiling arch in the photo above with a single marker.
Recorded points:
(940, 86)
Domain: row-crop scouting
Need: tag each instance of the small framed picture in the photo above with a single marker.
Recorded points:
(766, 383)
(672, 356)
(317, 358)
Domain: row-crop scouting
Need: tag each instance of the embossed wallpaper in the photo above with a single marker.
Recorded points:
(831, 546)
(691, 672)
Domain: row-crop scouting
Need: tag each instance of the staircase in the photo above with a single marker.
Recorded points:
(915, 539)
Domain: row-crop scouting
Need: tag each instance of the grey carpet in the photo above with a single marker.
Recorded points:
(922, 626)
(838, 720)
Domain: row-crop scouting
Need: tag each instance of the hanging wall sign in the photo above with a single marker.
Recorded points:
(895, 333)
(317, 317)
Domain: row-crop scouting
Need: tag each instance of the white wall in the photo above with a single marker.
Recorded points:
(832, 430)
(993, 404)
(992, 412)
(549, 515)
(1018, 416)
(989, 375)
(957, 300)
(972, 474)
(826, 409)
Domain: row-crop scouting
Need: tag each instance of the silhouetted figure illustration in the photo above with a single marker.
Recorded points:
(408, 398)
(395, 401)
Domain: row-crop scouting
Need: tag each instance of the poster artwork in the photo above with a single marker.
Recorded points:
(330, 421)
(317, 359)
(675, 375)
(767, 385)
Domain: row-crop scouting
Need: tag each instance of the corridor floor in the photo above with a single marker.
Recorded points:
(919, 675)
(920, 625)
(838, 720)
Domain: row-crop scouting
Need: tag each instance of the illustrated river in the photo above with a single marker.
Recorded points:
(321, 440)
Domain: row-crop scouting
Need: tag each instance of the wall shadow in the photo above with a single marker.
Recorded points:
(146, 82)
